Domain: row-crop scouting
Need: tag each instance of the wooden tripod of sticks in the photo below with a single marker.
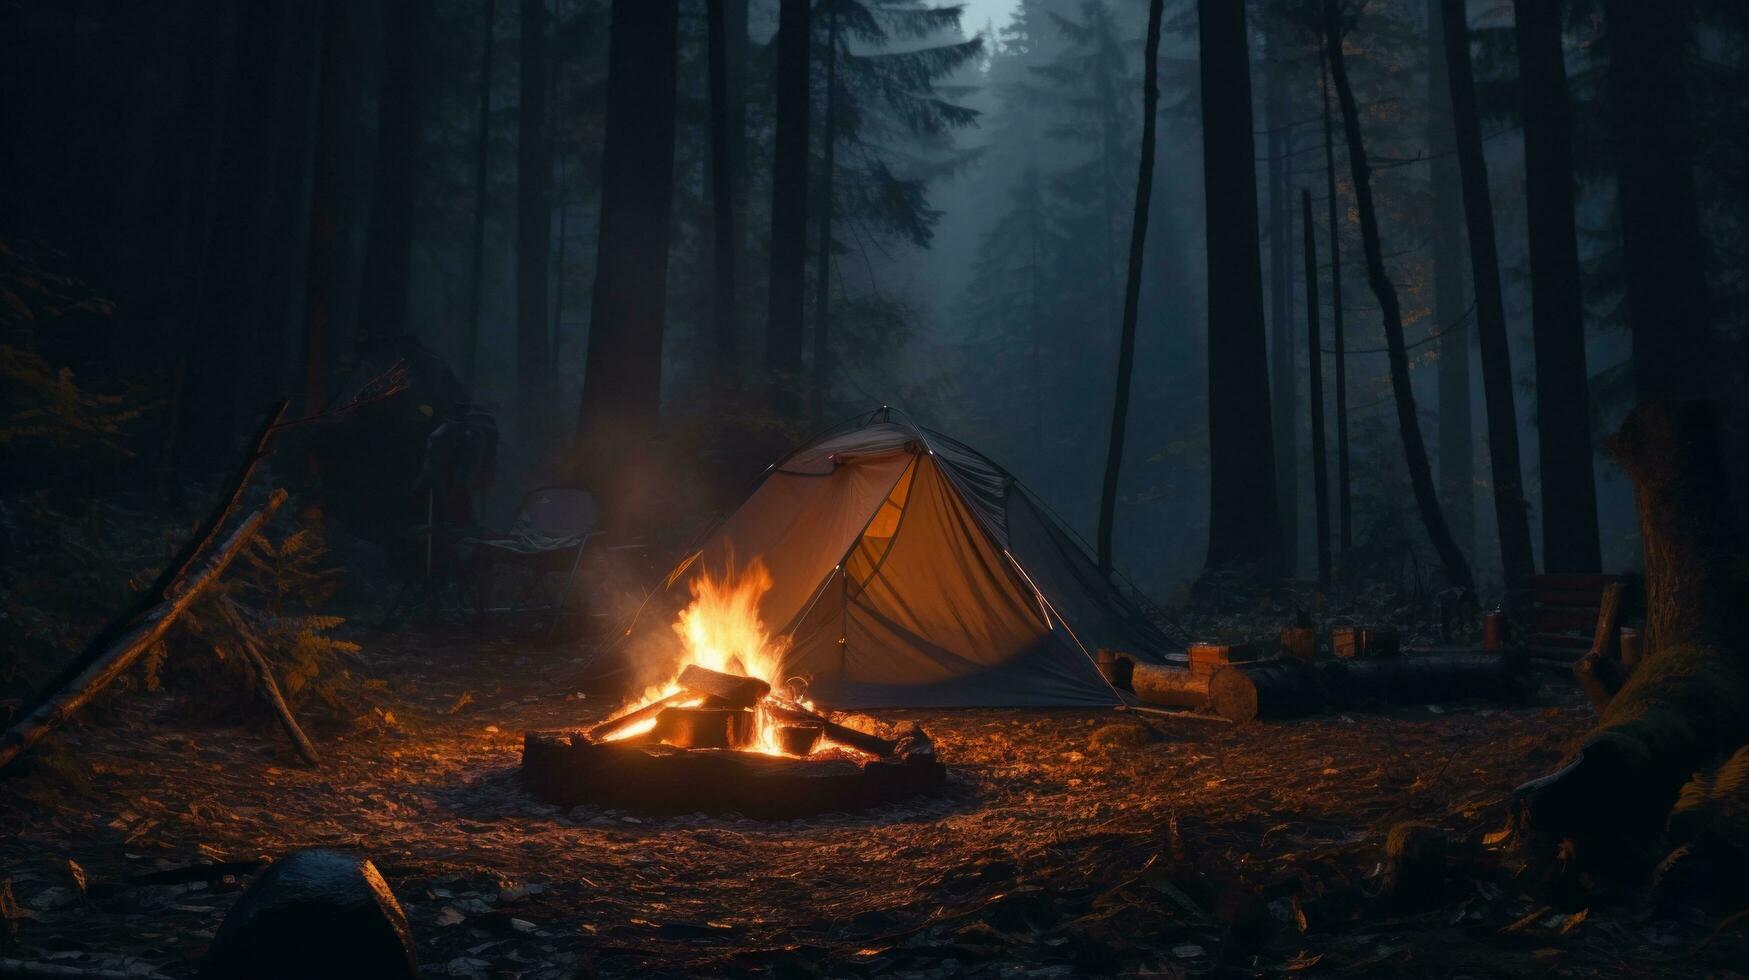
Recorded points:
(185, 578)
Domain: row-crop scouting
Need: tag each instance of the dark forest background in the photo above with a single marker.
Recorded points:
(660, 240)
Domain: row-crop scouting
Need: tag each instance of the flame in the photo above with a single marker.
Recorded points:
(721, 630)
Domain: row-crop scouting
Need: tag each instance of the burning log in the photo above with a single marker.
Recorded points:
(705, 728)
(800, 739)
(862, 741)
(612, 725)
(1266, 689)
(1171, 686)
(734, 690)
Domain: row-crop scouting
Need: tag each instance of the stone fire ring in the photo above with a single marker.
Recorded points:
(566, 768)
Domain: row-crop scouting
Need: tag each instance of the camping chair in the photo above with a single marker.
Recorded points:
(550, 535)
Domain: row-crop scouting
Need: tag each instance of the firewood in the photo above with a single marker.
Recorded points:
(136, 639)
(736, 691)
(1428, 678)
(1172, 686)
(270, 689)
(861, 741)
(630, 718)
(1267, 689)
(1117, 668)
(1300, 643)
(1599, 672)
(1206, 658)
(1683, 707)
(705, 728)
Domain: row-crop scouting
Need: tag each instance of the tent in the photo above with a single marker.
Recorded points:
(910, 571)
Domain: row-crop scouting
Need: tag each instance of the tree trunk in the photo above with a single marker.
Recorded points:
(322, 258)
(534, 226)
(1563, 404)
(1344, 500)
(1668, 303)
(724, 176)
(389, 253)
(482, 157)
(1283, 395)
(1683, 707)
(1457, 570)
(1315, 366)
(1510, 513)
(823, 293)
(1126, 348)
(1457, 453)
(789, 209)
(1244, 524)
(622, 384)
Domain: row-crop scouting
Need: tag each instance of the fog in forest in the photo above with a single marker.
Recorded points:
(249, 200)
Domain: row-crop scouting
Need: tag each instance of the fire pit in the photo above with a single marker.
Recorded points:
(717, 739)
(701, 750)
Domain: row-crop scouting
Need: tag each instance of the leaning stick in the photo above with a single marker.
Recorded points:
(135, 638)
(631, 718)
(174, 571)
(271, 688)
(873, 745)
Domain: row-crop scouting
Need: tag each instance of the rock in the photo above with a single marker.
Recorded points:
(314, 913)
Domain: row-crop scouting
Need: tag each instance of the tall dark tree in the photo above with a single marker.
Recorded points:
(622, 381)
(534, 228)
(1315, 379)
(482, 157)
(322, 257)
(1126, 350)
(823, 264)
(1457, 569)
(1244, 528)
(724, 176)
(388, 257)
(789, 208)
(1457, 452)
(1344, 499)
(1668, 303)
(1283, 368)
(1510, 512)
(1563, 405)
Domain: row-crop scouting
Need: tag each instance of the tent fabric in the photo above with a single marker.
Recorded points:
(911, 571)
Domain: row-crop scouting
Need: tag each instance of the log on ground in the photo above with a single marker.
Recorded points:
(1281, 688)
(1173, 687)
(1430, 678)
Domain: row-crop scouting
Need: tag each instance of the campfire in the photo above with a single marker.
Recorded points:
(726, 732)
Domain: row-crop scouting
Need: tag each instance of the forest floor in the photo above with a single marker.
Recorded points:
(1062, 848)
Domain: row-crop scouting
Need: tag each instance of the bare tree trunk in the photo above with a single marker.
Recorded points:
(1345, 500)
(1244, 521)
(389, 252)
(1457, 570)
(1457, 451)
(482, 157)
(1510, 512)
(1668, 301)
(789, 208)
(823, 293)
(1563, 404)
(322, 259)
(622, 384)
(1315, 365)
(1281, 344)
(534, 226)
(724, 175)
(1126, 349)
